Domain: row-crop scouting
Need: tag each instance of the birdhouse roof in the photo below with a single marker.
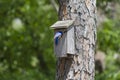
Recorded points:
(62, 24)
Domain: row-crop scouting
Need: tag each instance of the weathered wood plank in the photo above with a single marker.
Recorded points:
(61, 48)
(70, 41)
(62, 24)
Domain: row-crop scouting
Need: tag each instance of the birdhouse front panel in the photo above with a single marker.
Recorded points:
(60, 43)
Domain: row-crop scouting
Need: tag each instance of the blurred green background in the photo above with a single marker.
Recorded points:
(26, 40)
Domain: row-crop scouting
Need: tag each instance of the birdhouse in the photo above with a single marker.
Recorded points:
(64, 43)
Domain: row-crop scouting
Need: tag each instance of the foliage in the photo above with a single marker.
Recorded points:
(26, 40)
(109, 42)
(108, 36)
(25, 75)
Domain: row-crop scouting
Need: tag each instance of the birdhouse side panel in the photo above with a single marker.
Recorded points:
(70, 41)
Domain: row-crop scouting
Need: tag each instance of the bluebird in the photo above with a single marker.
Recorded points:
(57, 36)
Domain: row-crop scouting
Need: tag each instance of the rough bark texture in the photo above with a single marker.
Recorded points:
(80, 66)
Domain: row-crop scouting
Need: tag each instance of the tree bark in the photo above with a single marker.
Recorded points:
(80, 66)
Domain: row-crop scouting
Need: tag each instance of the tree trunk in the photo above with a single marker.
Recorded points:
(80, 66)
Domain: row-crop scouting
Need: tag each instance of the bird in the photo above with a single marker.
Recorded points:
(57, 36)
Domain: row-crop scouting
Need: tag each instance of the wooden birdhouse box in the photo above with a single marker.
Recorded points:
(64, 43)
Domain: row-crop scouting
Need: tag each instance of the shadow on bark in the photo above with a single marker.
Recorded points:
(63, 67)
